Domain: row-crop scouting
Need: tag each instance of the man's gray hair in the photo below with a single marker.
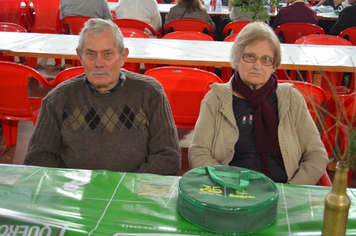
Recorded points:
(98, 25)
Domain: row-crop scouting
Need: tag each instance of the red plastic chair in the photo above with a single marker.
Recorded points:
(319, 39)
(335, 134)
(188, 35)
(43, 17)
(331, 81)
(325, 180)
(189, 25)
(67, 74)
(350, 33)
(10, 11)
(15, 105)
(349, 104)
(74, 23)
(290, 32)
(137, 24)
(234, 27)
(293, 31)
(133, 33)
(191, 35)
(226, 72)
(230, 38)
(315, 97)
(185, 89)
(10, 27)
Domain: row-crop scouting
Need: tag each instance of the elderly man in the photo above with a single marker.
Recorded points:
(298, 11)
(107, 118)
(347, 19)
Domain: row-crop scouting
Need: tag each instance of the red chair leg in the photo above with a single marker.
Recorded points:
(32, 62)
(226, 73)
(58, 61)
(10, 131)
(349, 177)
(325, 180)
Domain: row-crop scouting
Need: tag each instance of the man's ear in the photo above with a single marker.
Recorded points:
(79, 54)
(125, 54)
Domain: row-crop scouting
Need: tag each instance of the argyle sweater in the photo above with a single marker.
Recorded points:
(129, 130)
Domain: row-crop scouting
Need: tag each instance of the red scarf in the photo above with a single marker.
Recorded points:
(266, 119)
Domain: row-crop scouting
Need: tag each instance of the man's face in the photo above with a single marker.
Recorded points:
(102, 60)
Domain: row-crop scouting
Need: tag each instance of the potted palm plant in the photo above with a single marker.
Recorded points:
(257, 8)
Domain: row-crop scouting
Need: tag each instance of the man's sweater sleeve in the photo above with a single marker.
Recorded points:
(45, 140)
(164, 151)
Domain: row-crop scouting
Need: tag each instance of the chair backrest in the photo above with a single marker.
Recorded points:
(189, 25)
(319, 39)
(10, 11)
(74, 23)
(293, 31)
(230, 38)
(14, 99)
(11, 27)
(137, 24)
(314, 95)
(185, 89)
(331, 81)
(44, 16)
(234, 27)
(67, 74)
(133, 33)
(188, 35)
(349, 104)
(350, 33)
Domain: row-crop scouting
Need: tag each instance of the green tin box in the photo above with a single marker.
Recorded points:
(227, 199)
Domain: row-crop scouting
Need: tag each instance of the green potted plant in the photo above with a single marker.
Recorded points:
(257, 8)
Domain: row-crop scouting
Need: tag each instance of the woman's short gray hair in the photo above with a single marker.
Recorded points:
(98, 25)
(251, 33)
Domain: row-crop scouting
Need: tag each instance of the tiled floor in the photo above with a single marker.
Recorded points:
(16, 154)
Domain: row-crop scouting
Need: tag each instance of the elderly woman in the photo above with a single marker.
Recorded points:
(256, 123)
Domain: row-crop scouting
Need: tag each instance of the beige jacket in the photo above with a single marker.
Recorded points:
(216, 133)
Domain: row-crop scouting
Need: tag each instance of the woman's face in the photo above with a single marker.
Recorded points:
(255, 73)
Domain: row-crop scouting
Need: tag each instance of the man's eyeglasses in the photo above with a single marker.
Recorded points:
(252, 58)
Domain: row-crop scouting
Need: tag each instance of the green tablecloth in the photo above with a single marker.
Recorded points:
(46, 201)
